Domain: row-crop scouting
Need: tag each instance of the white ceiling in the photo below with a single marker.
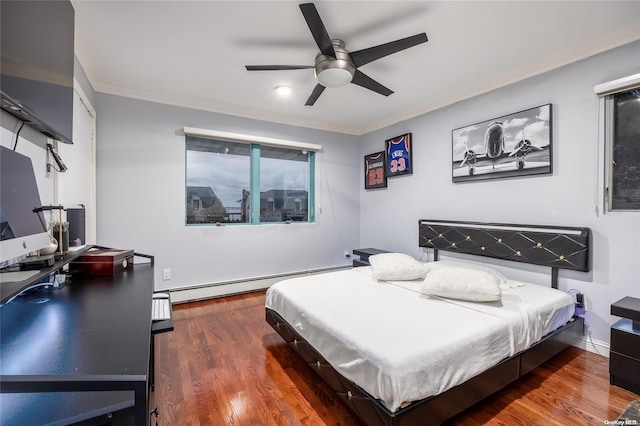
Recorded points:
(192, 53)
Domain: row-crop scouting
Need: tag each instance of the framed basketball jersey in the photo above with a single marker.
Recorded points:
(374, 166)
(398, 155)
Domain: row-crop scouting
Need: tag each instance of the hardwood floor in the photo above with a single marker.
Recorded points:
(224, 365)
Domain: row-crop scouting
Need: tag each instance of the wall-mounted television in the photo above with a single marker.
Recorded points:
(36, 45)
(22, 230)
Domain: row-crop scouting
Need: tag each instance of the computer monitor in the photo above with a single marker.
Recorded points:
(22, 231)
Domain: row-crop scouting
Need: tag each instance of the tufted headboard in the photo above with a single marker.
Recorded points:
(553, 246)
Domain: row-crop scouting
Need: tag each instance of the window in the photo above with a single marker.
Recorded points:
(284, 177)
(217, 178)
(622, 142)
(624, 164)
(250, 183)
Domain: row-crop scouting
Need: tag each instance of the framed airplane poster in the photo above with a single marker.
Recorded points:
(513, 145)
(398, 153)
(374, 176)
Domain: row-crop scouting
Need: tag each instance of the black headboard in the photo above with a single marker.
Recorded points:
(553, 246)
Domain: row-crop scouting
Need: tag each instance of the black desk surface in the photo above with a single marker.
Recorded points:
(92, 334)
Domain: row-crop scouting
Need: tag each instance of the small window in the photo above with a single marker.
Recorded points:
(623, 141)
(196, 204)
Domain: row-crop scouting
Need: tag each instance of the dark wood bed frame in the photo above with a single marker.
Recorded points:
(552, 246)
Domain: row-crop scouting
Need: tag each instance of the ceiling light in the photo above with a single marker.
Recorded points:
(335, 77)
(283, 90)
(335, 72)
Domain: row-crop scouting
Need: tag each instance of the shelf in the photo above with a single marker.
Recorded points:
(8, 290)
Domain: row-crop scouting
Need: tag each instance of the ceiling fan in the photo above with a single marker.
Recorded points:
(335, 66)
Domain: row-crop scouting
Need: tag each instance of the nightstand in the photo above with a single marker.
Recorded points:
(624, 360)
(364, 254)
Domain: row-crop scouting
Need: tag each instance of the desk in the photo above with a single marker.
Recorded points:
(79, 352)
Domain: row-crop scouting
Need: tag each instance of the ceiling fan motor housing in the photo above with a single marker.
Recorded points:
(335, 72)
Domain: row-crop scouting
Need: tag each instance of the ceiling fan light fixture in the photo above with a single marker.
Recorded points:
(335, 72)
(334, 77)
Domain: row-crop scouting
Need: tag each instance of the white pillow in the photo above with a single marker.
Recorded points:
(502, 281)
(462, 284)
(396, 267)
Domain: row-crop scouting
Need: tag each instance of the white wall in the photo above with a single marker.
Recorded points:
(389, 217)
(141, 198)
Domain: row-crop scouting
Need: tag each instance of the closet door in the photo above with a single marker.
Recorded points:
(77, 186)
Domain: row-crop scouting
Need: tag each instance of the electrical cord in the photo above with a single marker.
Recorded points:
(422, 253)
(15, 145)
(574, 293)
(591, 338)
(56, 169)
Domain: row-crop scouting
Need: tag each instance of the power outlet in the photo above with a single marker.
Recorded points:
(166, 274)
(347, 254)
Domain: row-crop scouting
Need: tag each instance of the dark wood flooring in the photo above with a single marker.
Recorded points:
(223, 365)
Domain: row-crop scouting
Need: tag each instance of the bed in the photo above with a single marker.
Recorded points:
(399, 357)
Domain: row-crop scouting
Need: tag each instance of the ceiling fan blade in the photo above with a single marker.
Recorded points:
(364, 56)
(363, 80)
(317, 91)
(276, 67)
(317, 28)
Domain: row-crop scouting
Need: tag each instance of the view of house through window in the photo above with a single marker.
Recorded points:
(284, 184)
(221, 176)
(217, 181)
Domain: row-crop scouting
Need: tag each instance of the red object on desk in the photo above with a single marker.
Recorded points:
(103, 262)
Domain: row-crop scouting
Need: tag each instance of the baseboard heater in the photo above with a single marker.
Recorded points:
(229, 288)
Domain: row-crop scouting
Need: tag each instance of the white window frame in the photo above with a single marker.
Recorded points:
(606, 92)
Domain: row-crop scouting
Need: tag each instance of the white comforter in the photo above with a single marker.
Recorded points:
(402, 346)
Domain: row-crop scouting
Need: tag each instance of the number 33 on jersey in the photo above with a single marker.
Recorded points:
(399, 155)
